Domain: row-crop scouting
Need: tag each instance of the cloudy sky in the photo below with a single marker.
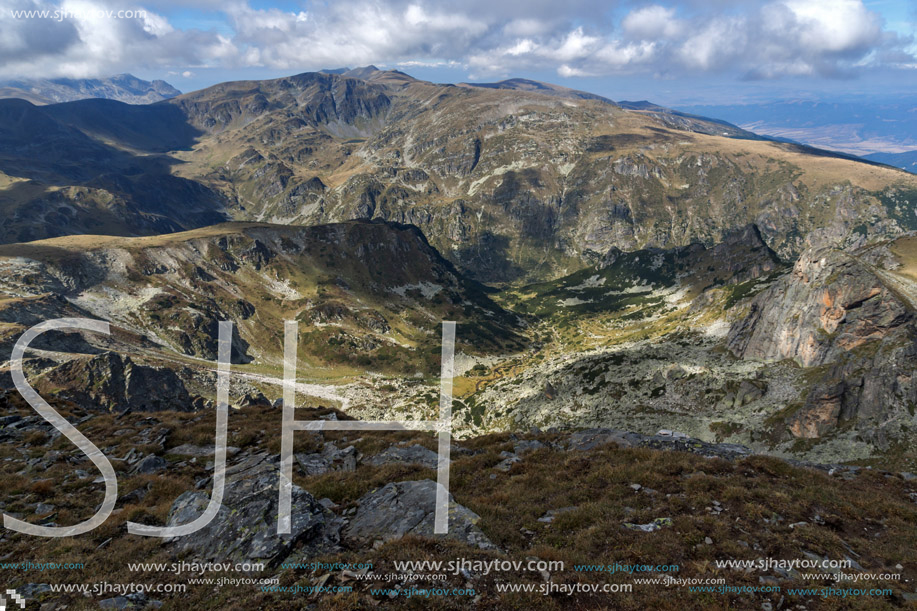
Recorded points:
(689, 51)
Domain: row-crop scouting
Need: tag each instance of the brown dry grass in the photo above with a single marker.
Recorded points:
(906, 251)
(871, 514)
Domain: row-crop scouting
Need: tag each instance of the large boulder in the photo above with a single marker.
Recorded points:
(245, 528)
(408, 508)
(329, 459)
(589, 439)
(415, 454)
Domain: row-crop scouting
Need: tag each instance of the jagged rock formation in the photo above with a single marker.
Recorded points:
(115, 383)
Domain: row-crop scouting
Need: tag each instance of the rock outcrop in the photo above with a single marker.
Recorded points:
(408, 508)
(116, 383)
(415, 454)
(848, 318)
(832, 303)
(329, 459)
(245, 529)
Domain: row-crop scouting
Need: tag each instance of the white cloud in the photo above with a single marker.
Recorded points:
(87, 38)
(575, 45)
(630, 54)
(522, 47)
(526, 27)
(754, 38)
(567, 71)
(834, 25)
(715, 45)
(652, 22)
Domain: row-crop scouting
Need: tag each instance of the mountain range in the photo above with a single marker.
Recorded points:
(510, 184)
(677, 342)
(123, 88)
(608, 263)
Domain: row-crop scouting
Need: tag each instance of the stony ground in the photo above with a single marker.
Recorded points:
(577, 497)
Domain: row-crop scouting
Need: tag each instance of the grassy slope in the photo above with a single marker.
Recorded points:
(869, 517)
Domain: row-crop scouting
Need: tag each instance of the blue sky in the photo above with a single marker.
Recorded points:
(686, 52)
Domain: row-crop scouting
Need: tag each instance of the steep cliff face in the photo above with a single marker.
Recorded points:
(830, 304)
(847, 318)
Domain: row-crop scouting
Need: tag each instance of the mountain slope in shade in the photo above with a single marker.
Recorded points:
(57, 178)
(123, 88)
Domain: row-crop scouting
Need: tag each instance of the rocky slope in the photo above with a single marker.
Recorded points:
(722, 344)
(634, 226)
(849, 318)
(512, 183)
(725, 343)
(368, 295)
(585, 500)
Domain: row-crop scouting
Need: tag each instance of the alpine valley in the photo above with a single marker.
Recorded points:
(608, 264)
(656, 313)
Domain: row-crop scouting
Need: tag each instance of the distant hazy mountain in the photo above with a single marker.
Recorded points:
(859, 128)
(905, 161)
(123, 88)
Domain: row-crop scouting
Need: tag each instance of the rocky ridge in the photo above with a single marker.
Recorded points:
(510, 184)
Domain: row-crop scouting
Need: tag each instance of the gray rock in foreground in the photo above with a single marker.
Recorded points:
(407, 508)
(592, 438)
(415, 454)
(150, 464)
(245, 529)
(329, 459)
(199, 451)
